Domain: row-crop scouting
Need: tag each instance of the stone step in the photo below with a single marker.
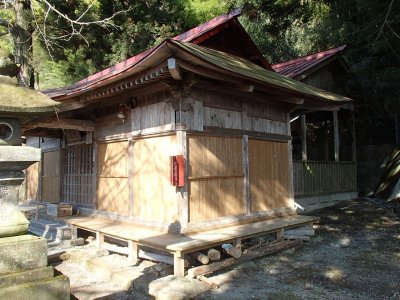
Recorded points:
(50, 230)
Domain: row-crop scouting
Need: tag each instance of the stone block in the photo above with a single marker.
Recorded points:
(21, 253)
(56, 288)
(26, 276)
(63, 233)
(12, 221)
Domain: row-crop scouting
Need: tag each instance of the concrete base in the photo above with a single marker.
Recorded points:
(25, 277)
(21, 253)
(56, 288)
(310, 203)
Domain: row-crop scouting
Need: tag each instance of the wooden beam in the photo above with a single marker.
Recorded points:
(71, 105)
(174, 69)
(81, 125)
(43, 132)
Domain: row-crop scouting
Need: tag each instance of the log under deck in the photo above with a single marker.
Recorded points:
(180, 244)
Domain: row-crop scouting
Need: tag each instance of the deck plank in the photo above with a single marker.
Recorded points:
(184, 243)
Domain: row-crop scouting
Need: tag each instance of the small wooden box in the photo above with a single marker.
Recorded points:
(59, 209)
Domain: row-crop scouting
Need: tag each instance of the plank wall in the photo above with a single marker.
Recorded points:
(215, 177)
(112, 177)
(51, 170)
(269, 175)
(154, 198)
(213, 109)
(151, 115)
(32, 181)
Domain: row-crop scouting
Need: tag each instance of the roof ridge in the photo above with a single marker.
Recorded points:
(185, 36)
(310, 56)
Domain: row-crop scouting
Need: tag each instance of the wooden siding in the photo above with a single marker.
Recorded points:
(323, 177)
(51, 170)
(154, 198)
(79, 185)
(112, 126)
(112, 177)
(32, 181)
(213, 109)
(269, 175)
(153, 117)
(215, 177)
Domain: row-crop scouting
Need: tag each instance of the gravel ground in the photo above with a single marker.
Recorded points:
(355, 254)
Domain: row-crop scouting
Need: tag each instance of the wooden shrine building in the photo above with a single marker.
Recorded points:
(323, 142)
(188, 142)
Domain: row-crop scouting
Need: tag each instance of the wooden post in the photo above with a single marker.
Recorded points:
(183, 205)
(280, 233)
(179, 264)
(303, 138)
(336, 134)
(246, 179)
(99, 240)
(353, 133)
(290, 157)
(94, 176)
(133, 251)
(130, 176)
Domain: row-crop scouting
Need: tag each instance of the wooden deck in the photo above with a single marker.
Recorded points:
(176, 244)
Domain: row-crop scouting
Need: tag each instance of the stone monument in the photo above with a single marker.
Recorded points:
(24, 273)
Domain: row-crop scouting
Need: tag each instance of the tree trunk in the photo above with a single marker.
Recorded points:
(22, 36)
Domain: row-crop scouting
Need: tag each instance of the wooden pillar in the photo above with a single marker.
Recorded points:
(183, 196)
(336, 134)
(130, 176)
(353, 133)
(290, 158)
(133, 254)
(94, 176)
(303, 138)
(246, 179)
(179, 264)
(99, 240)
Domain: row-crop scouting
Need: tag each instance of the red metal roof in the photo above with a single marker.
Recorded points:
(188, 36)
(298, 66)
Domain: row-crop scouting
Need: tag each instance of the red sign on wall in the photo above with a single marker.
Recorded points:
(177, 175)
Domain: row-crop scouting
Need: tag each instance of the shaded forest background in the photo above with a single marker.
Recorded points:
(283, 30)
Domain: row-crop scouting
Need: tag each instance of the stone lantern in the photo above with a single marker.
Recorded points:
(24, 273)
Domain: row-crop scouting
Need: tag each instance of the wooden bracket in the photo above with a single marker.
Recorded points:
(174, 69)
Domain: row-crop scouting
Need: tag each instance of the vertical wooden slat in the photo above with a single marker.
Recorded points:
(182, 143)
(246, 179)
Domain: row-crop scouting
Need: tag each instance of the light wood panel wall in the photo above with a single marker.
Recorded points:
(215, 177)
(269, 175)
(154, 198)
(213, 109)
(112, 177)
(51, 170)
(32, 181)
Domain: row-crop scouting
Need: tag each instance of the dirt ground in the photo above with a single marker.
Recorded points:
(355, 254)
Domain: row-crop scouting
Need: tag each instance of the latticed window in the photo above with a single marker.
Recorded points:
(78, 175)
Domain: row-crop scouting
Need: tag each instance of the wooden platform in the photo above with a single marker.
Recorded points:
(176, 244)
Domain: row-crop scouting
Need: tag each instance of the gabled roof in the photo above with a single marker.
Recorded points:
(245, 69)
(220, 66)
(296, 67)
(196, 35)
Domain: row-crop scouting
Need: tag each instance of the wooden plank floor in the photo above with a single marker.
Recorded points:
(184, 243)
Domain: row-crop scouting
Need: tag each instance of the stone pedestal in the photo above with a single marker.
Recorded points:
(24, 273)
